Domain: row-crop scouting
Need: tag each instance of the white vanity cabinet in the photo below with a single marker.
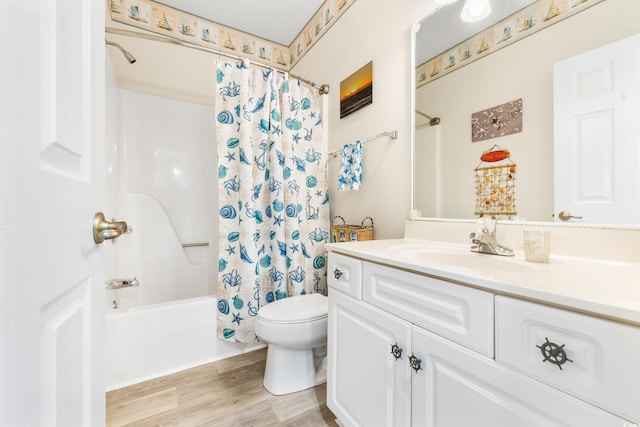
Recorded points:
(407, 349)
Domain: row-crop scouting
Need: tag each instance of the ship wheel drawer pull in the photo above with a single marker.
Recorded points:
(415, 363)
(396, 351)
(553, 353)
(337, 274)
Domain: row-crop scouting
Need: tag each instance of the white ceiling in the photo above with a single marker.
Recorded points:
(279, 21)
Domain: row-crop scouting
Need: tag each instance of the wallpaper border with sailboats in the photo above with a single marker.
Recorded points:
(531, 19)
(160, 19)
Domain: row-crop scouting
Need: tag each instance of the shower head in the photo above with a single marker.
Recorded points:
(125, 52)
(432, 120)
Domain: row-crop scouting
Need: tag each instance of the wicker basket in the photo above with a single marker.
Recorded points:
(351, 233)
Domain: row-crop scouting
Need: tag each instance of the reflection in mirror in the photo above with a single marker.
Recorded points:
(444, 156)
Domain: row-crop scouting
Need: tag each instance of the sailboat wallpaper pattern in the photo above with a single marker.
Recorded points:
(537, 16)
(156, 17)
(273, 193)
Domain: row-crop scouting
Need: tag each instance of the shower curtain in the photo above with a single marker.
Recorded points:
(273, 193)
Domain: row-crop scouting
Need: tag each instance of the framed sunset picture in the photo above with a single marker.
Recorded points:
(356, 91)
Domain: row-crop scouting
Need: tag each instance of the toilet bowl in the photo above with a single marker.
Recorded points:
(295, 330)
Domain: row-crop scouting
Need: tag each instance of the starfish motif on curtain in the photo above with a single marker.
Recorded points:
(237, 318)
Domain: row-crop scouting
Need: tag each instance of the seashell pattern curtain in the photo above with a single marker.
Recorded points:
(273, 193)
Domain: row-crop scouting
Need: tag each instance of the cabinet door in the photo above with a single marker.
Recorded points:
(457, 387)
(366, 385)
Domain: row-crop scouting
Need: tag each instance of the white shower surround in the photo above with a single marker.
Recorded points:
(161, 179)
(152, 254)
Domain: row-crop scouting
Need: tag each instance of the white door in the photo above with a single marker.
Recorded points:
(596, 134)
(51, 184)
(366, 385)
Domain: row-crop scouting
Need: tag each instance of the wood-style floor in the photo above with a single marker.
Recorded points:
(227, 393)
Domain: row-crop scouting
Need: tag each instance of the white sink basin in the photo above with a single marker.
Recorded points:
(457, 256)
(469, 260)
(427, 247)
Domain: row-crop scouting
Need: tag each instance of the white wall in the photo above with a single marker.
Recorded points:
(377, 30)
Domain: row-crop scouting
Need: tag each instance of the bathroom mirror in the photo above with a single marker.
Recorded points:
(444, 156)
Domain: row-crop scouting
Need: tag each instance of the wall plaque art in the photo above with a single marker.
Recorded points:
(356, 91)
(493, 122)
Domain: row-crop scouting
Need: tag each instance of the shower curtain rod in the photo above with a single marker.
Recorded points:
(323, 89)
(393, 135)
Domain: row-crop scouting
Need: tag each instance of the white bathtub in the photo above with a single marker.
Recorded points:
(156, 340)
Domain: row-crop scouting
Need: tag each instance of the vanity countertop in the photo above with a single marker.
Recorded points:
(608, 289)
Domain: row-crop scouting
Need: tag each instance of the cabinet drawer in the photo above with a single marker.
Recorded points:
(591, 358)
(458, 388)
(344, 274)
(461, 314)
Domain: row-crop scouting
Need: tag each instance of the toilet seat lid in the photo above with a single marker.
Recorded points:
(296, 309)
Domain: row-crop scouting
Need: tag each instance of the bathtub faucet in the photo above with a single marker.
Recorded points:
(122, 283)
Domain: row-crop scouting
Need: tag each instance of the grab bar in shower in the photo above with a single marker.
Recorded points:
(193, 245)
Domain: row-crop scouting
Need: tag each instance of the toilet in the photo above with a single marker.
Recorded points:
(295, 330)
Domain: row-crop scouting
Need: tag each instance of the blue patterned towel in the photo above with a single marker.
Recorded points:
(351, 167)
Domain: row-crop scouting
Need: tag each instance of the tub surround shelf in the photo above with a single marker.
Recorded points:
(602, 288)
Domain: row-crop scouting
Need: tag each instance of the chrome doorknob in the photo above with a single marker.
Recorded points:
(566, 216)
(105, 230)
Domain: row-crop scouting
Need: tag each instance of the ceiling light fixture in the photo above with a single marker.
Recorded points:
(475, 10)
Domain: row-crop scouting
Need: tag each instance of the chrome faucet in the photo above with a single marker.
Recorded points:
(122, 283)
(484, 240)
